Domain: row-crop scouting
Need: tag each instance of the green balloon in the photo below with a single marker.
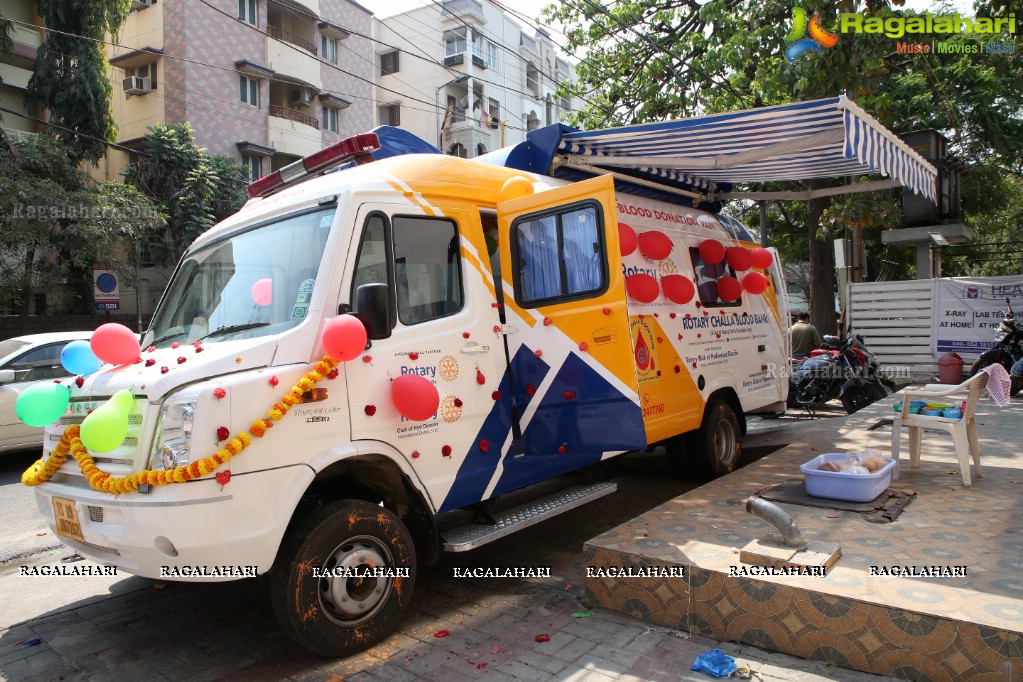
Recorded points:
(42, 404)
(105, 428)
(123, 400)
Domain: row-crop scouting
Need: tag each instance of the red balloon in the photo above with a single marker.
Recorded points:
(344, 337)
(739, 258)
(762, 258)
(627, 240)
(262, 292)
(678, 289)
(654, 245)
(415, 397)
(642, 287)
(116, 344)
(729, 289)
(755, 283)
(711, 251)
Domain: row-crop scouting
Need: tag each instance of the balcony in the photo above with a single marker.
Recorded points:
(294, 115)
(463, 9)
(289, 37)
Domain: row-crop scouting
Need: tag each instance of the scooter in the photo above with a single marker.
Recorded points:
(1007, 351)
(840, 369)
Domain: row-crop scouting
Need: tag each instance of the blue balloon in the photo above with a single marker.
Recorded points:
(78, 358)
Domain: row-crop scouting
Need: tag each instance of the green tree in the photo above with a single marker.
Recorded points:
(56, 222)
(648, 60)
(70, 77)
(196, 189)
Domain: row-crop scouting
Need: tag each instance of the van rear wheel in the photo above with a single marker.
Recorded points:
(336, 615)
(711, 451)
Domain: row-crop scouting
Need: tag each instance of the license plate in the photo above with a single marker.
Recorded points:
(66, 516)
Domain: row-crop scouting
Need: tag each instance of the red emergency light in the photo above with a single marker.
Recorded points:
(356, 147)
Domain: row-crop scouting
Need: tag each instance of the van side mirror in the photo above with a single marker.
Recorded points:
(6, 376)
(373, 308)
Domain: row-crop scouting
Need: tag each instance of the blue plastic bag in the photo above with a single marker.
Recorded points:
(716, 663)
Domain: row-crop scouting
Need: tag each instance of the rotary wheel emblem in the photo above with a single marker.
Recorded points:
(666, 267)
(447, 368)
(449, 411)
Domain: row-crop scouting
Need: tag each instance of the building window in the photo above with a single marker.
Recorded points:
(454, 42)
(390, 115)
(491, 55)
(248, 88)
(247, 11)
(559, 256)
(532, 121)
(481, 149)
(495, 113)
(328, 48)
(458, 149)
(253, 167)
(389, 63)
(533, 79)
(330, 119)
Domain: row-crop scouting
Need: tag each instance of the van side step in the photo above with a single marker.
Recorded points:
(474, 535)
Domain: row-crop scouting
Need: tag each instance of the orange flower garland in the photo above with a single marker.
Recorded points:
(71, 443)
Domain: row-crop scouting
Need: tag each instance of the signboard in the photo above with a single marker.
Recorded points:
(967, 311)
(105, 290)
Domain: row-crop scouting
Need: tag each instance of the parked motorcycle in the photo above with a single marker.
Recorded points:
(841, 369)
(1007, 351)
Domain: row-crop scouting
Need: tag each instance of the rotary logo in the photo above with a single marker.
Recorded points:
(447, 368)
(666, 266)
(450, 409)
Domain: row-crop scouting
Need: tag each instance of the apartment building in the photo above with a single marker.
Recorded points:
(264, 81)
(467, 77)
(16, 67)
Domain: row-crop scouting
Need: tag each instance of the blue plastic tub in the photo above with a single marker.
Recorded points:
(835, 485)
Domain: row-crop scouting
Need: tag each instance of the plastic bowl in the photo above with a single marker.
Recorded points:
(954, 413)
(914, 407)
(897, 407)
(931, 413)
(938, 406)
(917, 403)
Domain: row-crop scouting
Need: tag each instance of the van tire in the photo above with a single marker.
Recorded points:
(711, 451)
(343, 533)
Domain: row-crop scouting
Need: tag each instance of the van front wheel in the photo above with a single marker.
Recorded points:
(319, 589)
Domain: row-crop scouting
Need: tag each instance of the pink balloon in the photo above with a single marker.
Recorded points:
(678, 289)
(263, 292)
(654, 245)
(626, 239)
(762, 258)
(729, 289)
(755, 283)
(415, 397)
(711, 251)
(642, 287)
(116, 344)
(344, 337)
(739, 258)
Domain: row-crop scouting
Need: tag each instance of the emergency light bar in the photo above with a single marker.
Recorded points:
(355, 147)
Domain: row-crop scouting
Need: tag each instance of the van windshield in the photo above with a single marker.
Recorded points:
(255, 283)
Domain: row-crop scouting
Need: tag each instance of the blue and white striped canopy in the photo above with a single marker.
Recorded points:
(816, 139)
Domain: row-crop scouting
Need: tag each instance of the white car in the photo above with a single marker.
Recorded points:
(24, 361)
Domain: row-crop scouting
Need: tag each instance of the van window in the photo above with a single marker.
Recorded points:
(371, 264)
(707, 280)
(427, 268)
(559, 256)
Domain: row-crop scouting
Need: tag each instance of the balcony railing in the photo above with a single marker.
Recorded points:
(296, 116)
(289, 37)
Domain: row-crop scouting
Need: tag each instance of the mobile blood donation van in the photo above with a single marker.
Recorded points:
(519, 327)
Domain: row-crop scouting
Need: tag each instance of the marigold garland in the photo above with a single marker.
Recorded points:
(71, 443)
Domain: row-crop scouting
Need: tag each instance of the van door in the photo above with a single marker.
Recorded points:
(573, 377)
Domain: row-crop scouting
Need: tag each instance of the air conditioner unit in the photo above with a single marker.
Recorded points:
(142, 4)
(301, 96)
(136, 85)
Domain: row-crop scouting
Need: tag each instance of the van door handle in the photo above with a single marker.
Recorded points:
(475, 349)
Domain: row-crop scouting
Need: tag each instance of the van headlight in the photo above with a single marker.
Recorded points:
(173, 443)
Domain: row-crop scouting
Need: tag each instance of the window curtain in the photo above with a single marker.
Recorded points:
(539, 270)
(582, 250)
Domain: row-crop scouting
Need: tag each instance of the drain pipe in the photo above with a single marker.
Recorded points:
(777, 517)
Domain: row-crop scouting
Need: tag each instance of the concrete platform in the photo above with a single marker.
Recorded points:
(952, 628)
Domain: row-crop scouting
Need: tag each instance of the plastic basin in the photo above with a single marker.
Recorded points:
(835, 485)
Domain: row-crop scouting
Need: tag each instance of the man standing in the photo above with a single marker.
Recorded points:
(804, 336)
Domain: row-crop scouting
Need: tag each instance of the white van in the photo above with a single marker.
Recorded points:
(507, 291)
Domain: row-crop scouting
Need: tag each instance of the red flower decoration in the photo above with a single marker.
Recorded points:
(530, 389)
(164, 370)
(569, 395)
(584, 346)
(497, 329)
(546, 321)
(79, 381)
(367, 358)
(543, 638)
(458, 402)
(151, 349)
(480, 379)
(333, 374)
(415, 454)
(484, 445)
(370, 410)
(607, 311)
(413, 355)
(562, 449)
(137, 360)
(223, 433)
(496, 395)
(219, 393)
(224, 477)
(672, 316)
(688, 316)
(441, 633)
(679, 337)
(446, 451)
(699, 305)
(198, 348)
(182, 360)
(677, 369)
(175, 344)
(150, 362)
(465, 335)
(538, 353)
(660, 340)
(274, 380)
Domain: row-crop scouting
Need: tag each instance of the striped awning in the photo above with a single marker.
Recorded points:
(816, 139)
